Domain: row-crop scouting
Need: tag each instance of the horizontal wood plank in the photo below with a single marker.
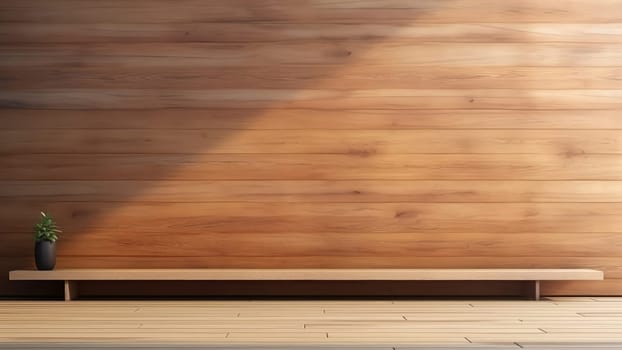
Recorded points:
(71, 261)
(355, 76)
(338, 53)
(277, 32)
(16, 288)
(266, 99)
(310, 142)
(308, 274)
(197, 218)
(305, 119)
(304, 191)
(316, 11)
(335, 246)
(354, 166)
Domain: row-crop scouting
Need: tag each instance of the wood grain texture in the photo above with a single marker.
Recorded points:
(305, 119)
(373, 52)
(313, 134)
(352, 76)
(310, 261)
(357, 165)
(321, 11)
(253, 99)
(331, 324)
(307, 274)
(19, 33)
(115, 141)
(330, 245)
(342, 218)
(305, 191)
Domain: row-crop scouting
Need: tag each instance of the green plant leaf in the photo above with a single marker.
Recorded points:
(46, 229)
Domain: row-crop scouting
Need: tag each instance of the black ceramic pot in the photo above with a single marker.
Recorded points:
(45, 255)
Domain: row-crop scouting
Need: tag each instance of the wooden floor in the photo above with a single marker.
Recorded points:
(554, 323)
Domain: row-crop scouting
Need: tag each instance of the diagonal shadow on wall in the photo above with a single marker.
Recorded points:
(104, 103)
(148, 131)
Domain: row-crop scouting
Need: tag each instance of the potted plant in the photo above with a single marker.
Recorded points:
(46, 234)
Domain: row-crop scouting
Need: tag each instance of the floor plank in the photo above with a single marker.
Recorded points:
(553, 323)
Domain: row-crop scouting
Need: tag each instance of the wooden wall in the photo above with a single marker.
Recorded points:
(315, 133)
